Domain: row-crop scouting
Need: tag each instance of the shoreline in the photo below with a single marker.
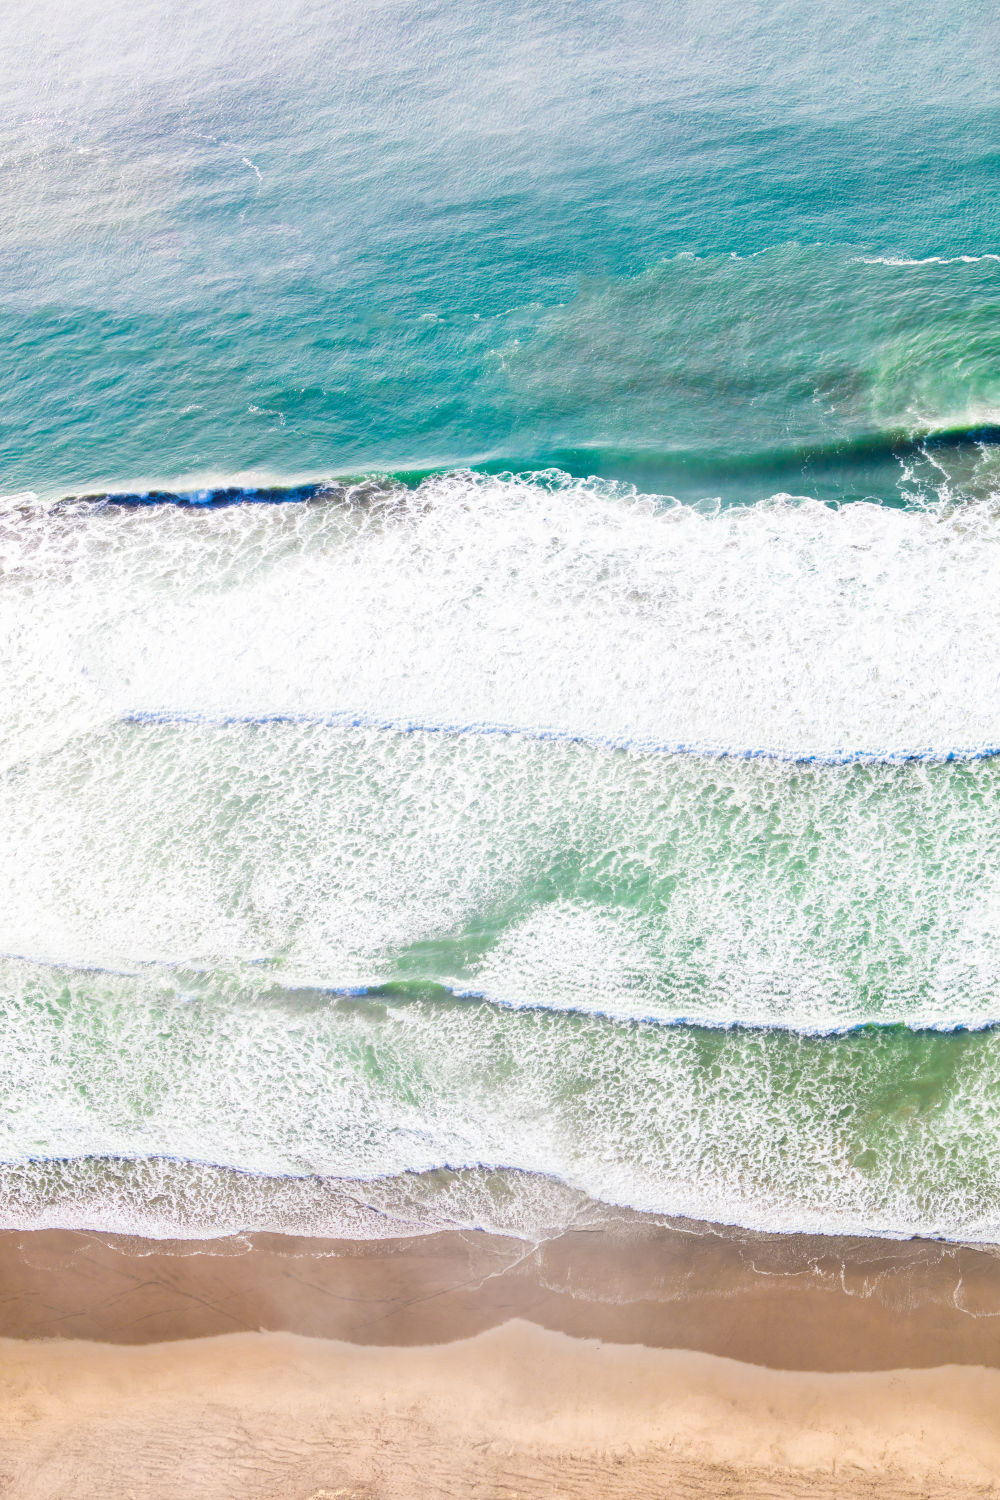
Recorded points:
(633, 1361)
(795, 1302)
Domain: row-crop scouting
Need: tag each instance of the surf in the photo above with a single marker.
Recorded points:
(785, 628)
(323, 800)
(145, 1106)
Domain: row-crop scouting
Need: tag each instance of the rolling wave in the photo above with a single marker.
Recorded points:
(396, 1116)
(876, 454)
(730, 986)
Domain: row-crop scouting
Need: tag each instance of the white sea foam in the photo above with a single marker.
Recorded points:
(347, 1114)
(235, 871)
(786, 627)
(924, 260)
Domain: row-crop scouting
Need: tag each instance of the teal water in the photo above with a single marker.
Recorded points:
(580, 790)
(319, 239)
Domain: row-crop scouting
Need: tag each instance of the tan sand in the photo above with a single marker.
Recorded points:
(515, 1412)
(467, 1365)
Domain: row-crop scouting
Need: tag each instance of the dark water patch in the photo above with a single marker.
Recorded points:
(866, 467)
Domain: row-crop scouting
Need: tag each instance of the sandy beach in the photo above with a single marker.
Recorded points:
(635, 1360)
(513, 1412)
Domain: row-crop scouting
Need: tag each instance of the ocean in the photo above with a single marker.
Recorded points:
(500, 649)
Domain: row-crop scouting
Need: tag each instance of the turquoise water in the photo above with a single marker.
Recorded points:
(521, 739)
(314, 240)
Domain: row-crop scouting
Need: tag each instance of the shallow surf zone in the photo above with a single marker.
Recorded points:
(343, 892)
(398, 1114)
(537, 875)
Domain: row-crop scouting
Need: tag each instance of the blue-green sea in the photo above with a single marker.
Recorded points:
(499, 616)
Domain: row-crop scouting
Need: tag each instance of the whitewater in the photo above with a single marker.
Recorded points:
(499, 648)
(496, 850)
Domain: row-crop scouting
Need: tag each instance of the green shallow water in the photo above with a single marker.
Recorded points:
(885, 1132)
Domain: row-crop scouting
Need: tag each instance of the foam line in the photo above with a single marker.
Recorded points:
(748, 1224)
(927, 755)
(392, 990)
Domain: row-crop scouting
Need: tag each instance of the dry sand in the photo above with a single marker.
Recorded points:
(426, 1372)
(517, 1411)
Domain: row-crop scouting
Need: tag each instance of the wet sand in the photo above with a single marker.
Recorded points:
(638, 1360)
(784, 1301)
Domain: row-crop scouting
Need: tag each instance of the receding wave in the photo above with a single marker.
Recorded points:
(170, 1197)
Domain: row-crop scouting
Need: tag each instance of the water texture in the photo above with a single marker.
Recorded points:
(499, 656)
